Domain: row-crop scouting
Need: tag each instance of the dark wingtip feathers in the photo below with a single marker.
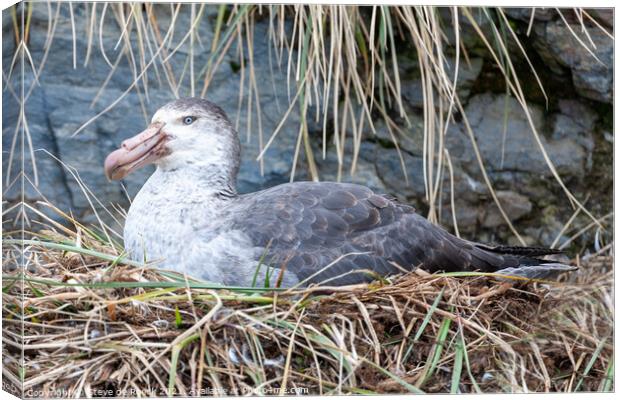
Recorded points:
(521, 251)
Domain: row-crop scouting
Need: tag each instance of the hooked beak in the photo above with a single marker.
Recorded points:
(136, 152)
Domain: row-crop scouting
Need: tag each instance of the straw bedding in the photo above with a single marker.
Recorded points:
(100, 328)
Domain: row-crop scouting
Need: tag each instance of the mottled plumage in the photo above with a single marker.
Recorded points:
(189, 214)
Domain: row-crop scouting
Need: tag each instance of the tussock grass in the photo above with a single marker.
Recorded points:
(339, 61)
(87, 320)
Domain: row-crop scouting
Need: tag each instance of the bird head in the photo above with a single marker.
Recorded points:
(183, 133)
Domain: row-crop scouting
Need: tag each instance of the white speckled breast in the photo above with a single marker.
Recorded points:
(163, 218)
(144, 233)
(179, 224)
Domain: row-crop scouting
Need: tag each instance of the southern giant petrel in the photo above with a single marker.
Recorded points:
(190, 215)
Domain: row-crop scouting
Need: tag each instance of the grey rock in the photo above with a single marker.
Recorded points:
(525, 14)
(581, 114)
(32, 147)
(534, 186)
(467, 216)
(514, 205)
(576, 121)
(413, 93)
(409, 138)
(468, 35)
(277, 161)
(592, 77)
(467, 75)
(468, 188)
(604, 15)
(365, 172)
(506, 142)
(529, 241)
(390, 171)
(545, 235)
(469, 70)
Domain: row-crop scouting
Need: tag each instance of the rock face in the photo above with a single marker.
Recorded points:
(64, 101)
(591, 67)
(515, 206)
(506, 141)
(575, 133)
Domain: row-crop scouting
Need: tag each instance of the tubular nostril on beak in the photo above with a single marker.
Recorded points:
(153, 130)
(135, 152)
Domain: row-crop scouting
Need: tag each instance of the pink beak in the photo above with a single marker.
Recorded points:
(136, 152)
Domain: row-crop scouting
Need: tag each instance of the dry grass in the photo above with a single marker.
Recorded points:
(340, 62)
(87, 324)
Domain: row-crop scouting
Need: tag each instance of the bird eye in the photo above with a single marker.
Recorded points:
(189, 120)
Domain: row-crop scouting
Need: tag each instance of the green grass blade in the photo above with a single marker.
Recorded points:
(174, 360)
(467, 364)
(361, 44)
(5, 289)
(74, 249)
(232, 28)
(590, 364)
(425, 322)
(36, 291)
(428, 316)
(148, 284)
(411, 388)
(178, 319)
(457, 368)
(441, 338)
(218, 26)
(261, 262)
(268, 273)
(609, 377)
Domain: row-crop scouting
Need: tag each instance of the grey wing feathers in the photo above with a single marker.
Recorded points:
(308, 226)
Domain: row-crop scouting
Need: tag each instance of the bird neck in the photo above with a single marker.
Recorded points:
(217, 182)
(209, 167)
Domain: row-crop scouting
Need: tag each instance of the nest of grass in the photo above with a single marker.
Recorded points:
(90, 325)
